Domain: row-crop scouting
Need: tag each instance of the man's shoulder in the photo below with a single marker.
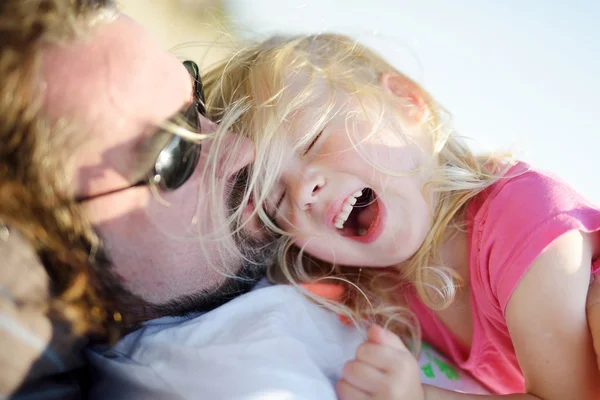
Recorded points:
(266, 313)
(38, 353)
(267, 305)
(270, 338)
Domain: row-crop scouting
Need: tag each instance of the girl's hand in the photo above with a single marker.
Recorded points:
(383, 369)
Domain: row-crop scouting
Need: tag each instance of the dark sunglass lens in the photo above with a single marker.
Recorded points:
(192, 68)
(194, 71)
(176, 163)
(191, 119)
(200, 97)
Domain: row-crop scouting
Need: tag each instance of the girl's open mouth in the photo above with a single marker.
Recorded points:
(361, 222)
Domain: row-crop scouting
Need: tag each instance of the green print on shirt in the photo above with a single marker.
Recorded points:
(428, 370)
(442, 366)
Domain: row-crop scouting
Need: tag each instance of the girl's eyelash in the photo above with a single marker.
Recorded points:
(276, 209)
(312, 143)
(280, 200)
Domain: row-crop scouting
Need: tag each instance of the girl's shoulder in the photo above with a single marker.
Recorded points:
(516, 218)
(527, 191)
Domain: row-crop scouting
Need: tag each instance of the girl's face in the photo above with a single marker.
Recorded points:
(354, 194)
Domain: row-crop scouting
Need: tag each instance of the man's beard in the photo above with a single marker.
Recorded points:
(257, 254)
(206, 300)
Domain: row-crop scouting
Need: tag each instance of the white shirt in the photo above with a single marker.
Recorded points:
(271, 343)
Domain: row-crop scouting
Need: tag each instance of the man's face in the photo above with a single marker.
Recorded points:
(116, 85)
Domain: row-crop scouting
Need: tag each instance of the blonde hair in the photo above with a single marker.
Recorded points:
(247, 94)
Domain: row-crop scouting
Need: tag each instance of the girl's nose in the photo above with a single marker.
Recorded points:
(305, 189)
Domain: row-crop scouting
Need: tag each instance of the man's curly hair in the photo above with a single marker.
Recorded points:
(32, 195)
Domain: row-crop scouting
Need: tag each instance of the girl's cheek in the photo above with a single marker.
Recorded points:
(287, 223)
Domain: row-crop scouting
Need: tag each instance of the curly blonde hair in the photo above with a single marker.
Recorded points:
(33, 199)
(246, 93)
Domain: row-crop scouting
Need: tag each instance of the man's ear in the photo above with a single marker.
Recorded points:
(407, 90)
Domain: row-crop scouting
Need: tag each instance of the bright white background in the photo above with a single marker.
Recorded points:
(519, 75)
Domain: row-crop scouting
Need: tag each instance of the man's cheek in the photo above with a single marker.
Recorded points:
(176, 213)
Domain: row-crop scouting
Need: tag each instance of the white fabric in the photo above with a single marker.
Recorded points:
(271, 343)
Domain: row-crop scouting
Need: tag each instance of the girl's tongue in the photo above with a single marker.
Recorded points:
(367, 216)
(363, 215)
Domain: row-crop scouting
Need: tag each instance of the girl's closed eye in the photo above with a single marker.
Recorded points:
(273, 211)
(312, 143)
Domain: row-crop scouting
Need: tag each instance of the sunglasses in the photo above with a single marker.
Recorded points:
(177, 159)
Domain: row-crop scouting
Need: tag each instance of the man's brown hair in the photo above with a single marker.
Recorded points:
(33, 199)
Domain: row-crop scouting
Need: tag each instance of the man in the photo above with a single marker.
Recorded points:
(89, 103)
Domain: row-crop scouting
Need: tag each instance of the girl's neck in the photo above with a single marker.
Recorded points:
(458, 317)
(454, 253)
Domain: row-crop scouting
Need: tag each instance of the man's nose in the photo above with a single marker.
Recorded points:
(305, 188)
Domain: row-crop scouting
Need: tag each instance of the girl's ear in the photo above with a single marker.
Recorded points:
(417, 108)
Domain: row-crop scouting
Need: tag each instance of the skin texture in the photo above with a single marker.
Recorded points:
(551, 338)
(315, 182)
(115, 85)
(593, 314)
(382, 369)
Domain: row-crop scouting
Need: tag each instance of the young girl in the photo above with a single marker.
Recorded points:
(360, 171)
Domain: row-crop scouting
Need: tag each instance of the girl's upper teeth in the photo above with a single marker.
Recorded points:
(341, 218)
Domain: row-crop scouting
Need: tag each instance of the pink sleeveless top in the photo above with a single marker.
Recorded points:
(510, 224)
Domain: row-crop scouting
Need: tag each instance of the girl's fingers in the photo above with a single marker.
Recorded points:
(385, 351)
(346, 391)
(378, 335)
(363, 376)
(380, 357)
